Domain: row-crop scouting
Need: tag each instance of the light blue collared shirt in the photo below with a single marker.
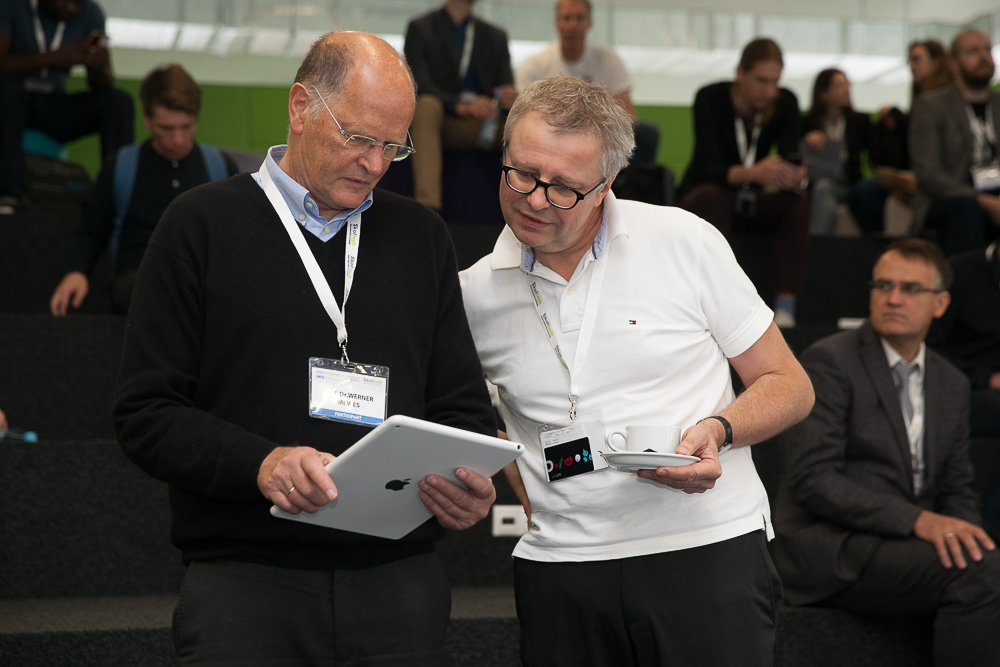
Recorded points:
(304, 208)
(528, 255)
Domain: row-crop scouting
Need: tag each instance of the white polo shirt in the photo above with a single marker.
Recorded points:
(674, 306)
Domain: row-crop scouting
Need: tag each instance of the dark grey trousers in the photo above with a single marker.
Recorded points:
(714, 605)
(905, 579)
(233, 613)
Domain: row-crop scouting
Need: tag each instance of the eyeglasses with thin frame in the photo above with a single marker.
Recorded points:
(559, 196)
(907, 288)
(363, 144)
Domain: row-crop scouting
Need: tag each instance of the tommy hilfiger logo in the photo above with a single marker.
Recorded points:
(631, 321)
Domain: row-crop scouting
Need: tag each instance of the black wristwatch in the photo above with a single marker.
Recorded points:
(729, 432)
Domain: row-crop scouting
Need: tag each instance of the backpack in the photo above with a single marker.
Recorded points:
(126, 169)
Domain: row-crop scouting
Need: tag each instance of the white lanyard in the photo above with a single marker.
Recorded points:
(748, 154)
(463, 64)
(835, 131)
(983, 133)
(309, 261)
(40, 36)
(586, 328)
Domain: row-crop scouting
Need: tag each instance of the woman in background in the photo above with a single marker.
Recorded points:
(835, 136)
(889, 154)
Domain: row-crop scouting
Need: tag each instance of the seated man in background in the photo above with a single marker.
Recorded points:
(40, 40)
(465, 87)
(729, 169)
(878, 515)
(138, 184)
(954, 151)
(969, 335)
(598, 64)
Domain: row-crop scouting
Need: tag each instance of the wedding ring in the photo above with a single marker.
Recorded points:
(289, 491)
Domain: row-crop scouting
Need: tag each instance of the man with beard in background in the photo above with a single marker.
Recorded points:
(953, 147)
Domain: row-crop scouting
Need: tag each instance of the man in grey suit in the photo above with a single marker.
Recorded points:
(876, 514)
(954, 150)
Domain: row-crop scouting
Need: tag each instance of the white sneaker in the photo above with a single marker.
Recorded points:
(784, 319)
(7, 205)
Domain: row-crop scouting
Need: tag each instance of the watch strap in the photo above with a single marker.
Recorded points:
(729, 432)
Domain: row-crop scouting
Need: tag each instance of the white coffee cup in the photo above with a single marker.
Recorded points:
(646, 437)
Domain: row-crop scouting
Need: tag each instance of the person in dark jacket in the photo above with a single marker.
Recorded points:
(464, 82)
(736, 126)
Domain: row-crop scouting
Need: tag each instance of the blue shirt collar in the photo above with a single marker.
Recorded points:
(304, 208)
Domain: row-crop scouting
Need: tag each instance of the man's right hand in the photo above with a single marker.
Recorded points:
(776, 172)
(949, 535)
(72, 289)
(295, 479)
(74, 53)
(481, 108)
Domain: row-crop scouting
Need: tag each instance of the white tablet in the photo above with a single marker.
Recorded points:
(377, 477)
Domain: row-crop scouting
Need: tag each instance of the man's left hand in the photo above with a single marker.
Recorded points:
(457, 508)
(697, 477)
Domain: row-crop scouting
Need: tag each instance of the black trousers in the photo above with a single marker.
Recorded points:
(905, 579)
(233, 613)
(713, 605)
(961, 224)
(62, 117)
(784, 213)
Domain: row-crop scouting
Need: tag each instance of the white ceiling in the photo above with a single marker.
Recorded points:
(671, 48)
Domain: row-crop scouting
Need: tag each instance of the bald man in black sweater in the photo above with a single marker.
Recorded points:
(213, 393)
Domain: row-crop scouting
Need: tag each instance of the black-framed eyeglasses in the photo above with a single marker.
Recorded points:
(907, 288)
(559, 196)
(363, 144)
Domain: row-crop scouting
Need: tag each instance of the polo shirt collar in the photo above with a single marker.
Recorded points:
(509, 253)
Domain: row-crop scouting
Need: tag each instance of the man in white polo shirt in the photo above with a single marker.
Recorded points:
(593, 314)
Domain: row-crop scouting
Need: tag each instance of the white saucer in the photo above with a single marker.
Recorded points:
(633, 461)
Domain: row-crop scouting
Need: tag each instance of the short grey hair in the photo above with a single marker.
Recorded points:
(572, 105)
(326, 66)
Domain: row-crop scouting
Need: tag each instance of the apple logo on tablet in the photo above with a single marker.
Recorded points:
(397, 484)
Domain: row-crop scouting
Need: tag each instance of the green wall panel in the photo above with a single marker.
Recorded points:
(676, 135)
(252, 118)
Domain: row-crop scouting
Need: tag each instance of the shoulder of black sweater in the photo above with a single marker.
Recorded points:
(240, 195)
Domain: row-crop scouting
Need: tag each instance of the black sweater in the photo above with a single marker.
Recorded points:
(214, 371)
(969, 332)
(715, 147)
(158, 182)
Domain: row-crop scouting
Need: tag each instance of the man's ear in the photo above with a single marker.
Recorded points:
(941, 302)
(298, 108)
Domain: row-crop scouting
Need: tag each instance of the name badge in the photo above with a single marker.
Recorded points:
(348, 392)
(572, 448)
(986, 177)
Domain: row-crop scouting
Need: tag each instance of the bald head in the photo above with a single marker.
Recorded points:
(359, 57)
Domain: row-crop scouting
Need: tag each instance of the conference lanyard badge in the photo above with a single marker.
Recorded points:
(986, 177)
(349, 392)
(572, 447)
